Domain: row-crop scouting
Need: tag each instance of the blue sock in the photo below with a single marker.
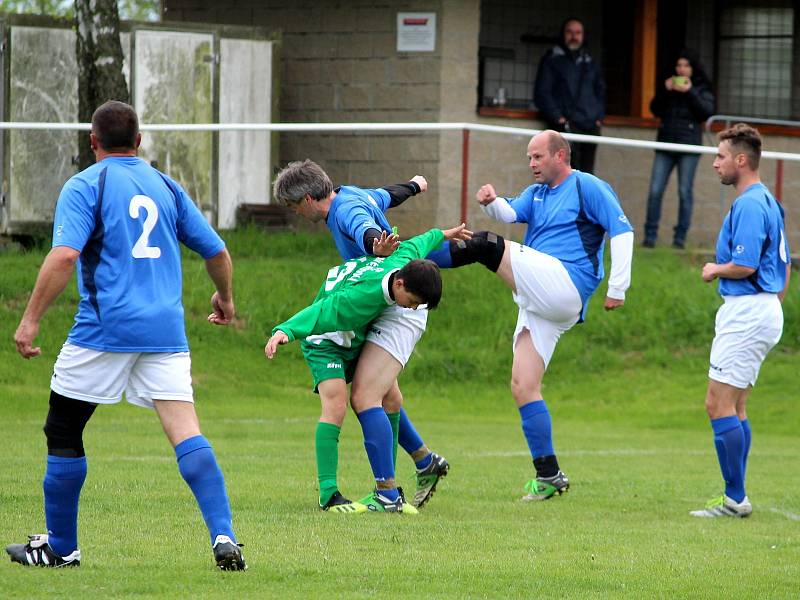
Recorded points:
(378, 441)
(408, 437)
(538, 428)
(199, 468)
(424, 462)
(441, 256)
(62, 485)
(748, 436)
(729, 442)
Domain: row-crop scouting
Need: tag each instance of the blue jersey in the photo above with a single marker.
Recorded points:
(126, 219)
(569, 222)
(752, 235)
(353, 211)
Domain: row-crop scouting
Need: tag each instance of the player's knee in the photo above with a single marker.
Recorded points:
(64, 426)
(393, 400)
(362, 399)
(524, 389)
(485, 247)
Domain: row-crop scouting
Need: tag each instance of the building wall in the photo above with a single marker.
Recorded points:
(340, 65)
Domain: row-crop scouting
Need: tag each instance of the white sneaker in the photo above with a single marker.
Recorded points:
(723, 506)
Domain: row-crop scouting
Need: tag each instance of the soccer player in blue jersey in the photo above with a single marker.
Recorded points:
(753, 267)
(357, 220)
(120, 222)
(552, 275)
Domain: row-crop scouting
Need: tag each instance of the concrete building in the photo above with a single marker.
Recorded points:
(341, 63)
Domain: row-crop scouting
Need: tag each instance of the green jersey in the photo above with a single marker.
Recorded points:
(355, 294)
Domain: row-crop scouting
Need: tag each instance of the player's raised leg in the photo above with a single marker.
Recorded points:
(63, 480)
(198, 467)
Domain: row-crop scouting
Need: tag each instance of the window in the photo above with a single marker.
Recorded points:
(755, 48)
(515, 34)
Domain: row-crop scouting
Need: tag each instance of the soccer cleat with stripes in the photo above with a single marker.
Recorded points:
(340, 504)
(38, 553)
(228, 554)
(723, 506)
(377, 502)
(428, 478)
(544, 488)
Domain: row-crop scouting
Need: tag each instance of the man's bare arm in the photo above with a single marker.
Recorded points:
(54, 275)
(220, 270)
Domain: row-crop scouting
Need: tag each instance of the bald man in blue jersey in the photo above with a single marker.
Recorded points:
(357, 220)
(753, 268)
(121, 223)
(552, 275)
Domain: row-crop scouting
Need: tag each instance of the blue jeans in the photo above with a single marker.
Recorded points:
(663, 164)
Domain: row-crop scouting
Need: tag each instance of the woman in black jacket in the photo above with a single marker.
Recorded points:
(685, 101)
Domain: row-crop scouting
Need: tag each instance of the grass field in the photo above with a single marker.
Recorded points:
(626, 393)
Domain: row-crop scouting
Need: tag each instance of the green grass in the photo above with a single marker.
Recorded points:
(626, 391)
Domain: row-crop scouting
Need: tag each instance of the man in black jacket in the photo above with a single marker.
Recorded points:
(570, 92)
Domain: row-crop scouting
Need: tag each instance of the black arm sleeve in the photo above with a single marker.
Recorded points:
(401, 192)
(370, 235)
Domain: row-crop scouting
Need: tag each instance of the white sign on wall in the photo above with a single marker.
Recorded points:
(416, 32)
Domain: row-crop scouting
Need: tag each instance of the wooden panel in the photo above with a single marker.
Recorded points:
(645, 40)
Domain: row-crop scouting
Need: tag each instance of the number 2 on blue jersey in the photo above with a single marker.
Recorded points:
(141, 249)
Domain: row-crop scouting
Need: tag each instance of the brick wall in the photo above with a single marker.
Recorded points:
(340, 64)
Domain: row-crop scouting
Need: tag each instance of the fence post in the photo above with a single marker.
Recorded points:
(779, 179)
(464, 172)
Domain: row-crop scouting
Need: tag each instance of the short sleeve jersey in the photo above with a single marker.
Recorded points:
(569, 222)
(752, 235)
(353, 211)
(356, 293)
(126, 219)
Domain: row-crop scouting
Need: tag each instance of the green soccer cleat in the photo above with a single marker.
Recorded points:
(722, 506)
(427, 479)
(340, 504)
(544, 488)
(377, 502)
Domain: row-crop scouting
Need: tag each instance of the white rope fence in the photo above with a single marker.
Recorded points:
(424, 127)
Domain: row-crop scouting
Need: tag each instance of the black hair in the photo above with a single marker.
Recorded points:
(422, 278)
(115, 125)
(699, 75)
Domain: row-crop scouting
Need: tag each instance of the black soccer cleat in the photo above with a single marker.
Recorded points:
(339, 504)
(38, 553)
(228, 554)
(428, 478)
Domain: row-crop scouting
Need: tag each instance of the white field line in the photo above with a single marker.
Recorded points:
(785, 513)
(592, 452)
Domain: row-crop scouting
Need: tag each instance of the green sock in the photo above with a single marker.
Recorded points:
(394, 421)
(327, 442)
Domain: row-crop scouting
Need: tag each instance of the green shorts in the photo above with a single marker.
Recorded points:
(327, 360)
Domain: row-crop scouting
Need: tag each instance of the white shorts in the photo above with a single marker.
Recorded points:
(102, 377)
(747, 328)
(549, 303)
(398, 330)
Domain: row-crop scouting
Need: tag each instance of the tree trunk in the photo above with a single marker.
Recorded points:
(99, 54)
